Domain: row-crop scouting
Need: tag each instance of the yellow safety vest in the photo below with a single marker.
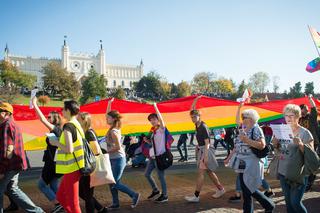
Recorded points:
(69, 162)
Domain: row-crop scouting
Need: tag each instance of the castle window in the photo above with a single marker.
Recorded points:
(122, 83)
(130, 83)
(114, 83)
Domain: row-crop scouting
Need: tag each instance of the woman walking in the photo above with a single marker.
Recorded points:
(289, 153)
(117, 158)
(246, 163)
(205, 157)
(85, 191)
(49, 179)
(70, 158)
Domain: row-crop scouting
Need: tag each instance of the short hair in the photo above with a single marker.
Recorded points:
(152, 115)
(72, 106)
(252, 114)
(293, 108)
(195, 112)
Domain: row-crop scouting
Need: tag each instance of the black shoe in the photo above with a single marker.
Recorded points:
(113, 207)
(269, 193)
(11, 208)
(153, 194)
(181, 160)
(104, 210)
(162, 199)
(185, 160)
(235, 199)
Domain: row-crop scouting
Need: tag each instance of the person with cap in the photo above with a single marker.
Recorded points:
(12, 161)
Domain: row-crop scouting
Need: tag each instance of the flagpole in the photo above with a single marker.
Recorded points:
(314, 41)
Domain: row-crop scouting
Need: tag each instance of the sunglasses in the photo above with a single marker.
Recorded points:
(49, 117)
(244, 117)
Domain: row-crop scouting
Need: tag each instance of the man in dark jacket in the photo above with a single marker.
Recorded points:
(309, 121)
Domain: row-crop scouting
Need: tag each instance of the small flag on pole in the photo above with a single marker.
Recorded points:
(315, 36)
(245, 97)
(313, 65)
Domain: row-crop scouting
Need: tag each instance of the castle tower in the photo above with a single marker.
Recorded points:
(65, 54)
(141, 68)
(102, 60)
(6, 53)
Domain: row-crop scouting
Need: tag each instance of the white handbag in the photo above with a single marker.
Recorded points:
(103, 173)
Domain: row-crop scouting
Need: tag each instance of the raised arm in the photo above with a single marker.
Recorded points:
(109, 105)
(194, 104)
(238, 119)
(313, 105)
(162, 124)
(40, 115)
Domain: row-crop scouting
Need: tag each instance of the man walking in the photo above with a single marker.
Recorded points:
(12, 161)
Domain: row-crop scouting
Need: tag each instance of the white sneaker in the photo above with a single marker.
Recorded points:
(219, 193)
(192, 199)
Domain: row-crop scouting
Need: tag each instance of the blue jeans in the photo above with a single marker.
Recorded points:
(150, 167)
(264, 201)
(117, 166)
(49, 190)
(265, 184)
(18, 196)
(293, 195)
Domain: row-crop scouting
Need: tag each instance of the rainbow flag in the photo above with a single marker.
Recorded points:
(217, 113)
(313, 65)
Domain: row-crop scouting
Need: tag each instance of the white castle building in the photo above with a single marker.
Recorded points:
(80, 64)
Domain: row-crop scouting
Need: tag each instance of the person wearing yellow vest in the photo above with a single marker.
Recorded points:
(70, 158)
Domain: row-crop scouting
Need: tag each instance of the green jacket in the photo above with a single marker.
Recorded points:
(302, 164)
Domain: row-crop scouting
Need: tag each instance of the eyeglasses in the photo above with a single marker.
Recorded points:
(49, 117)
(244, 117)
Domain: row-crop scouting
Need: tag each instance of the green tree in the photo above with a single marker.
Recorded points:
(295, 91)
(259, 81)
(222, 86)
(149, 86)
(119, 93)
(309, 88)
(183, 89)
(93, 85)
(57, 80)
(275, 83)
(202, 82)
(12, 80)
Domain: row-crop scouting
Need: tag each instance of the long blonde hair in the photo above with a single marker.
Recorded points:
(86, 120)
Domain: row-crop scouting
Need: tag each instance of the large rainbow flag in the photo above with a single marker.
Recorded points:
(215, 112)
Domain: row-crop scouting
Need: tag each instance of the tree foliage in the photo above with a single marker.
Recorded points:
(119, 93)
(309, 88)
(149, 86)
(275, 83)
(222, 86)
(183, 89)
(93, 85)
(202, 82)
(43, 100)
(58, 81)
(12, 80)
(259, 81)
(295, 91)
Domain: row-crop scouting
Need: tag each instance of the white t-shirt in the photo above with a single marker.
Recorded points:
(159, 141)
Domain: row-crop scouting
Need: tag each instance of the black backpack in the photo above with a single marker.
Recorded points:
(259, 153)
(89, 158)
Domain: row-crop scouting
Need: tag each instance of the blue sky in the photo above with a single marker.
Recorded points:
(178, 38)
